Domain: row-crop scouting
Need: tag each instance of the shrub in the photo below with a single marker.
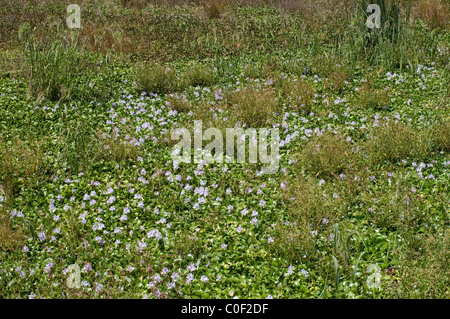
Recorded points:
(373, 98)
(396, 141)
(198, 75)
(329, 155)
(442, 136)
(179, 104)
(21, 164)
(157, 79)
(254, 107)
(214, 9)
(434, 12)
(113, 149)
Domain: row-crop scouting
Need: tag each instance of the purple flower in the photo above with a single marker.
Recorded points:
(189, 278)
(204, 279)
(111, 200)
(48, 267)
(87, 268)
(99, 288)
(290, 270)
(304, 273)
(156, 278)
(170, 285)
(42, 236)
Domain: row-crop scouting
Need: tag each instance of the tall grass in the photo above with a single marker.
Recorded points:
(386, 46)
(61, 68)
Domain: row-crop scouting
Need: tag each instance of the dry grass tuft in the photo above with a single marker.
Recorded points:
(106, 39)
(441, 136)
(373, 98)
(436, 13)
(214, 9)
(329, 155)
(396, 141)
(253, 106)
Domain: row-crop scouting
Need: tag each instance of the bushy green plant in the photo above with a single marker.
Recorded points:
(180, 104)
(214, 9)
(396, 141)
(80, 148)
(198, 75)
(329, 155)
(157, 78)
(21, 164)
(373, 98)
(60, 68)
(254, 107)
(441, 136)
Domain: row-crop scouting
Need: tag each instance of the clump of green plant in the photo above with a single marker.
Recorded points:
(322, 65)
(393, 206)
(292, 241)
(254, 107)
(138, 4)
(117, 150)
(106, 39)
(10, 238)
(58, 68)
(309, 204)
(283, 85)
(198, 75)
(187, 243)
(80, 148)
(298, 94)
(302, 96)
(214, 9)
(424, 273)
(157, 78)
(387, 45)
(179, 104)
(396, 141)
(21, 164)
(336, 80)
(434, 12)
(373, 98)
(254, 70)
(441, 136)
(329, 155)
